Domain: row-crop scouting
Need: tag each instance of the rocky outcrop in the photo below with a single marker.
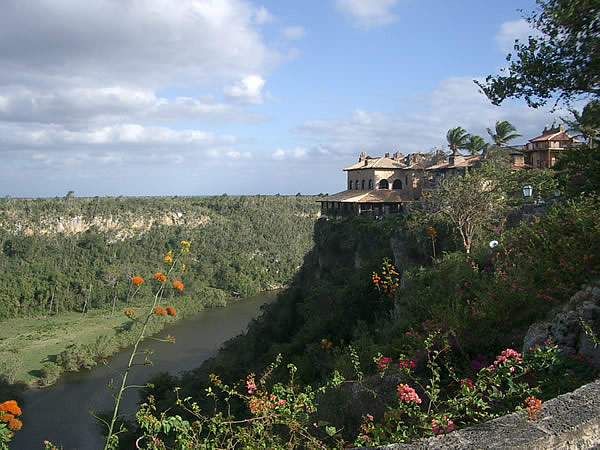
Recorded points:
(566, 329)
(122, 226)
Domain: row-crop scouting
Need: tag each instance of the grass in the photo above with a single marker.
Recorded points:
(36, 340)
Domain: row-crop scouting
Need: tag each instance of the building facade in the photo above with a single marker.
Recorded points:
(542, 152)
(376, 187)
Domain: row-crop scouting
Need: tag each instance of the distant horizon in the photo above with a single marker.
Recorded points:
(238, 95)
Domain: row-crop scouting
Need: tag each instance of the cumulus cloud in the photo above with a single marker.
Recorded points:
(370, 13)
(298, 153)
(247, 90)
(294, 33)
(131, 43)
(262, 16)
(512, 30)
(454, 102)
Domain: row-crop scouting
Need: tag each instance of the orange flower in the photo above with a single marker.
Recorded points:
(178, 285)
(160, 277)
(160, 311)
(168, 259)
(130, 313)
(7, 417)
(137, 280)
(171, 311)
(15, 425)
(11, 406)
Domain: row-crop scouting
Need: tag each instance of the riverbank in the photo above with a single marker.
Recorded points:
(60, 413)
(29, 343)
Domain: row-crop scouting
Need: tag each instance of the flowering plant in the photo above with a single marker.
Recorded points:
(9, 410)
(155, 309)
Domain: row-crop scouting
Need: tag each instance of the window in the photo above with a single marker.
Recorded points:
(356, 185)
(370, 184)
(383, 184)
(397, 184)
(349, 185)
(363, 185)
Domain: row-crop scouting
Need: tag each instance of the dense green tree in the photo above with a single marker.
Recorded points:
(457, 139)
(561, 61)
(587, 123)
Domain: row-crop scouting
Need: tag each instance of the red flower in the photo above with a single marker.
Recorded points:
(160, 277)
(171, 311)
(137, 280)
(178, 285)
(130, 313)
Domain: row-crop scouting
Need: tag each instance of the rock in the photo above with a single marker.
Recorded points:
(565, 328)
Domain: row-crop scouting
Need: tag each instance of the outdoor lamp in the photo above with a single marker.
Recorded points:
(527, 191)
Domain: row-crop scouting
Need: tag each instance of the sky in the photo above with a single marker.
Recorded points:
(205, 97)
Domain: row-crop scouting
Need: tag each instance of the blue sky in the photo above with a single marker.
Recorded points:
(202, 97)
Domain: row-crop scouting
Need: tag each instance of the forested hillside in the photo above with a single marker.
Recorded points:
(57, 254)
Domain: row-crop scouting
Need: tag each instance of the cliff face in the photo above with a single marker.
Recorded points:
(122, 226)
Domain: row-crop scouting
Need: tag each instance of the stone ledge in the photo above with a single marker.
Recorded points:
(570, 421)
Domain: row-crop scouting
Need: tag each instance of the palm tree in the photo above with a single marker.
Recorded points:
(457, 138)
(503, 133)
(476, 145)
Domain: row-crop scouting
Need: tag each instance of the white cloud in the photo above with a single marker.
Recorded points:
(368, 13)
(131, 43)
(247, 90)
(262, 16)
(455, 102)
(294, 33)
(298, 153)
(511, 30)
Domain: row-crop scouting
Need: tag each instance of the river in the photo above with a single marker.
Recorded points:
(60, 413)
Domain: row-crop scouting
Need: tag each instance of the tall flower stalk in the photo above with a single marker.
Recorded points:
(112, 439)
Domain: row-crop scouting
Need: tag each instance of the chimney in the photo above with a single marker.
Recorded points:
(387, 155)
(362, 157)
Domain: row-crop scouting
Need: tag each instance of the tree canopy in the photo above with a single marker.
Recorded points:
(561, 61)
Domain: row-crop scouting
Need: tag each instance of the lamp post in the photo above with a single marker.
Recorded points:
(527, 191)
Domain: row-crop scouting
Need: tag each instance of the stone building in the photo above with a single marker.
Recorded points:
(376, 187)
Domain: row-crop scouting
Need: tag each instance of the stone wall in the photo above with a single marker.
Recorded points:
(570, 421)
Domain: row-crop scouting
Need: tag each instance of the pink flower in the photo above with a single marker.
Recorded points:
(408, 394)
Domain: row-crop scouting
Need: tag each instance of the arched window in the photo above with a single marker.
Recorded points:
(383, 184)
(356, 185)
(397, 184)
(363, 185)
(370, 184)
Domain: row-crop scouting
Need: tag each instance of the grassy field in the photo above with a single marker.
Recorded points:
(30, 342)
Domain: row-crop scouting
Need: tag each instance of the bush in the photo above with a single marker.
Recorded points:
(49, 374)
(75, 357)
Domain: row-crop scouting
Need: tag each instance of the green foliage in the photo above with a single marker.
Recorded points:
(245, 245)
(562, 61)
(76, 357)
(457, 138)
(50, 374)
